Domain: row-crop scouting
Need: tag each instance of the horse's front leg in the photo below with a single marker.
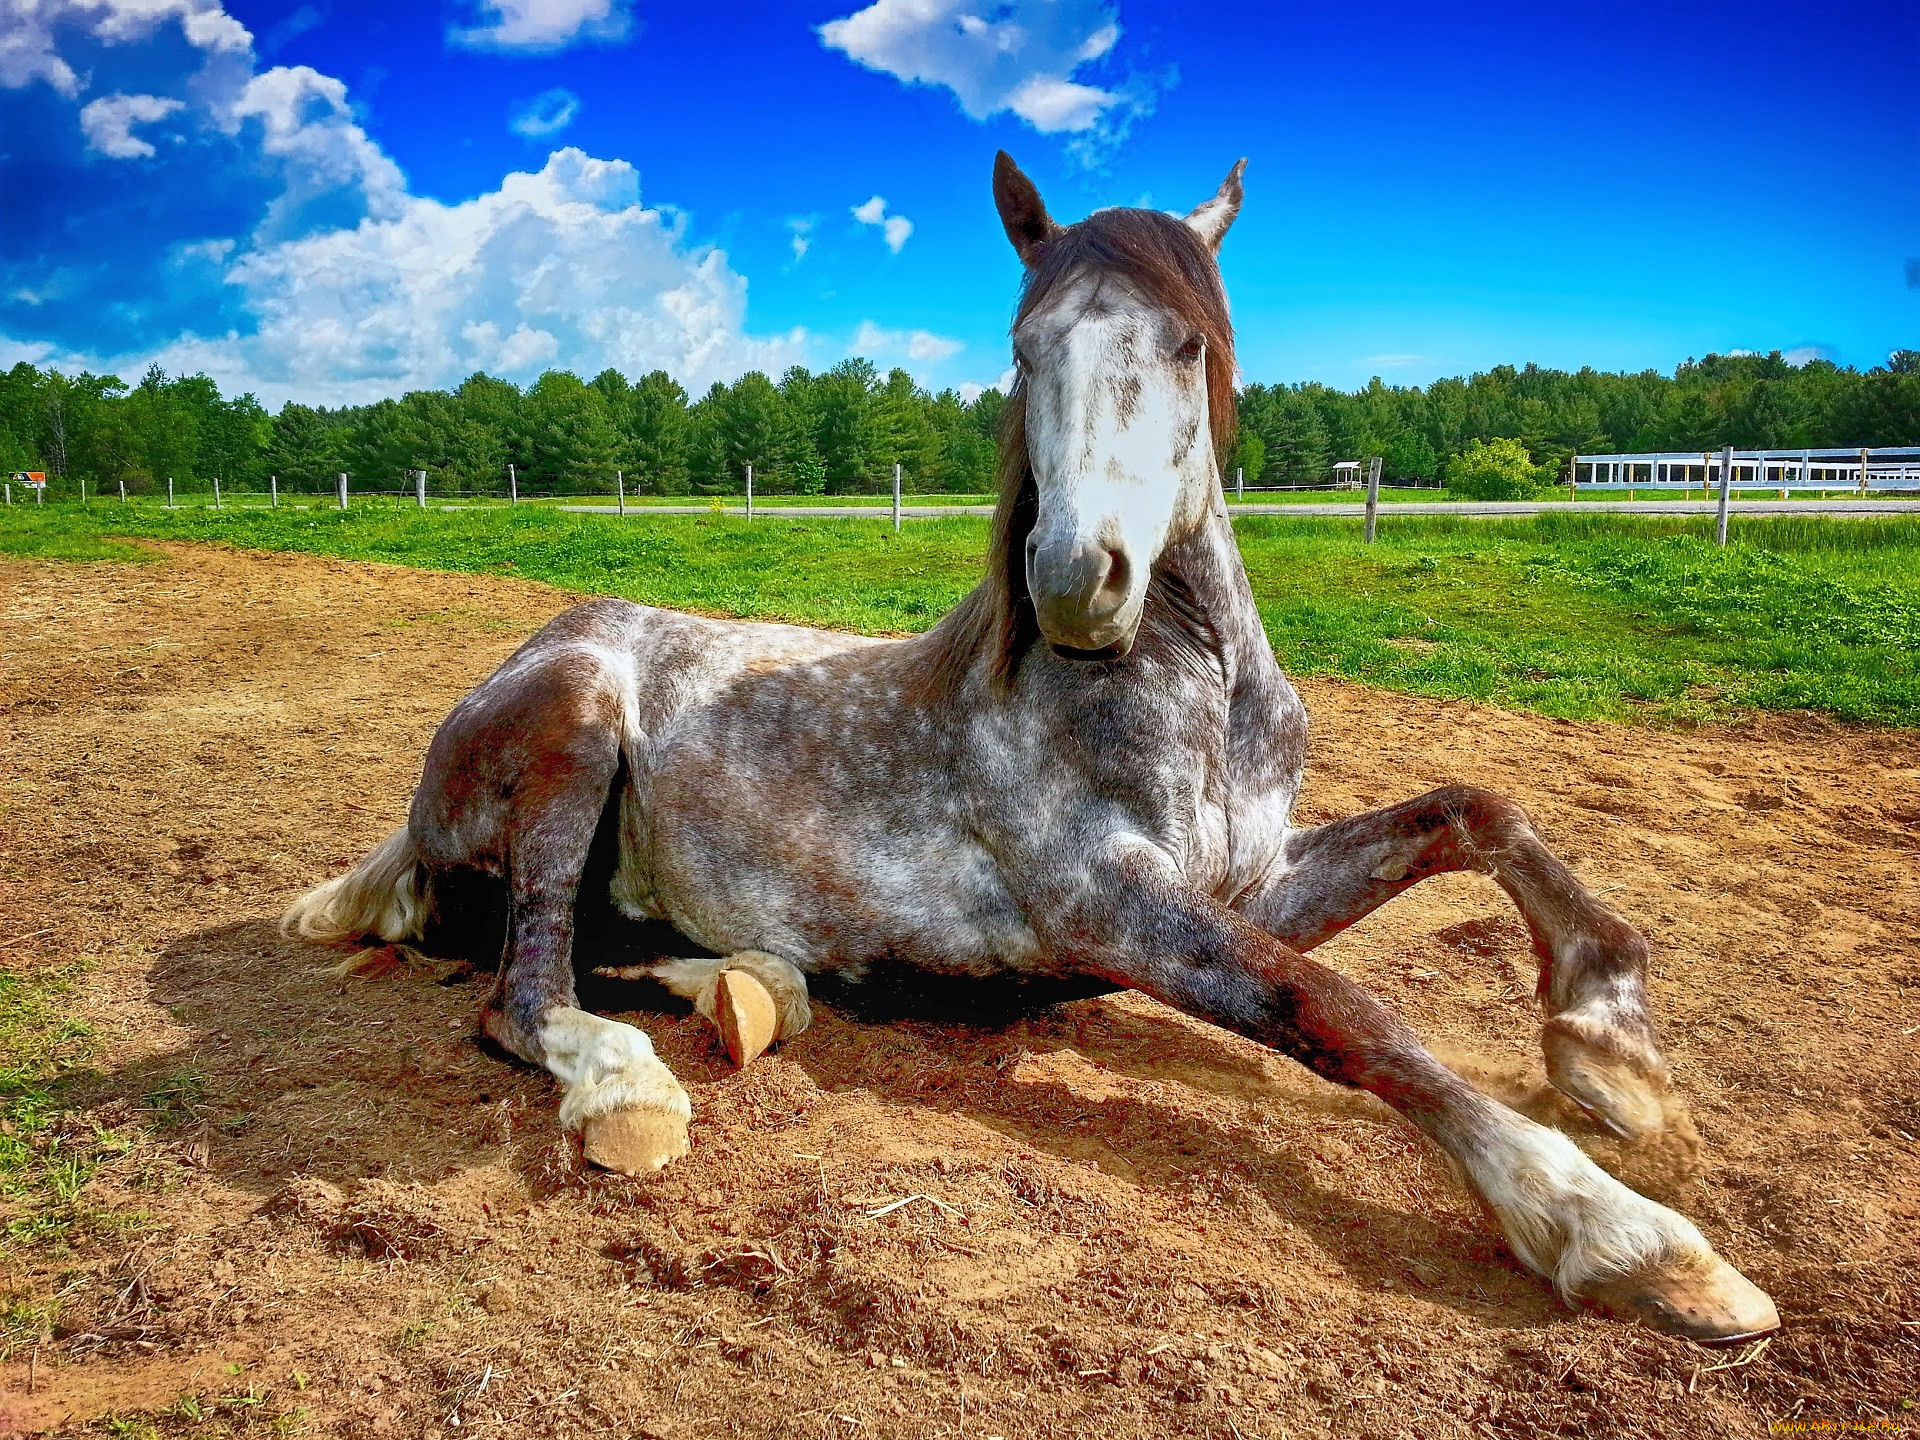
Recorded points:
(1598, 1241)
(753, 999)
(632, 1113)
(1599, 1041)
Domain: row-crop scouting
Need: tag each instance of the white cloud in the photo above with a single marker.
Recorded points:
(540, 26)
(28, 51)
(1019, 56)
(800, 234)
(323, 156)
(547, 113)
(894, 229)
(972, 390)
(563, 267)
(108, 123)
(922, 345)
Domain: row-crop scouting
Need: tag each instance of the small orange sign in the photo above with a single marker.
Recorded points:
(31, 477)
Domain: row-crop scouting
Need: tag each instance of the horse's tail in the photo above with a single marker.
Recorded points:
(384, 895)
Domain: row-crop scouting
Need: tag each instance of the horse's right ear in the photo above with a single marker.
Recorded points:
(1021, 209)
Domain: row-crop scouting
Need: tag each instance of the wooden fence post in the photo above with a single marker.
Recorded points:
(1863, 471)
(896, 497)
(620, 489)
(216, 492)
(749, 492)
(1726, 480)
(169, 492)
(123, 492)
(1373, 494)
(273, 491)
(1239, 482)
(343, 489)
(513, 486)
(420, 488)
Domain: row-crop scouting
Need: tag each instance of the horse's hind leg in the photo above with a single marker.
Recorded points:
(752, 998)
(1599, 1041)
(632, 1112)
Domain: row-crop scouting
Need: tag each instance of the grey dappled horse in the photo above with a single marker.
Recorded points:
(1079, 780)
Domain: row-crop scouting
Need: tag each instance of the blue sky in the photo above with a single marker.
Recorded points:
(335, 200)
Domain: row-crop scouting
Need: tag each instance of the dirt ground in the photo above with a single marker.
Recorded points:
(342, 1215)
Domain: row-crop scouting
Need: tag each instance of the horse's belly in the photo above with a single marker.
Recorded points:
(830, 892)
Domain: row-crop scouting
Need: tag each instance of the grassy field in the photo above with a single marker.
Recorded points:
(1573, 615)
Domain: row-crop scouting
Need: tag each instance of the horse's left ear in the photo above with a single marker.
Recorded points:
(1210, 221)
(1022, 210)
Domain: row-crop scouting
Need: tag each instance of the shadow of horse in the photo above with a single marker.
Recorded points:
(296, 1069)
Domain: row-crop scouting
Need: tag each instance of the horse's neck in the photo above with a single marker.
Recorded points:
(1208, 567)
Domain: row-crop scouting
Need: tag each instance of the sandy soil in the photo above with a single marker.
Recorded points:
(1124, 1223)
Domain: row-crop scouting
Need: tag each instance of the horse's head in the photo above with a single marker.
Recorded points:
(1124, 355)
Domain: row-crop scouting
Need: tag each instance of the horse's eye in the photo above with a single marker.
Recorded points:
(1190, 351)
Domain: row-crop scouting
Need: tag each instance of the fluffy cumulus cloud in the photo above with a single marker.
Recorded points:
(894, 229)
(547, 113)
(920, 345)
(1018, 56)
(281, 250)
(543, 26)
(108, 123)
(559, 268)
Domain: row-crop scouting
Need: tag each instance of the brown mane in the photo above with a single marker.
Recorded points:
(1161, 259)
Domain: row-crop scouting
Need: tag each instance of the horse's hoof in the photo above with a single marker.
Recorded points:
(634, 1142)
(1710, 1305)
(747, 1017)
(1615, 1092)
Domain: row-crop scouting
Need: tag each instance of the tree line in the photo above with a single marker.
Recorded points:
(842, 430)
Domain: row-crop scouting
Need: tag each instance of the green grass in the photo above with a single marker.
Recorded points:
(1574, 615)
(43, 1168)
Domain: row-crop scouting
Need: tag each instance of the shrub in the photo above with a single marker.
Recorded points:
(1495, 470)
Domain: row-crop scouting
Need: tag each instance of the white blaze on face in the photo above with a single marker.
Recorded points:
(1117, 432)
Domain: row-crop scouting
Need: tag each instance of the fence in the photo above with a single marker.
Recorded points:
(1857, 468)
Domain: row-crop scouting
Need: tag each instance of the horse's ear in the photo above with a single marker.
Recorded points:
(1022, 210)
(1210, 221)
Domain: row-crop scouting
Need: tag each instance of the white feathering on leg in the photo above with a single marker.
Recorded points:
(606, 1066)
(1564, 1216)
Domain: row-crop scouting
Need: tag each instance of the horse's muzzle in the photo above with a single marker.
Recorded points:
(1080, 592)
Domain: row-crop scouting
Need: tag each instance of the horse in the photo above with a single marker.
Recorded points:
(1079, 781)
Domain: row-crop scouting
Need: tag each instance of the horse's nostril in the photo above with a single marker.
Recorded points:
(1115, 584)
